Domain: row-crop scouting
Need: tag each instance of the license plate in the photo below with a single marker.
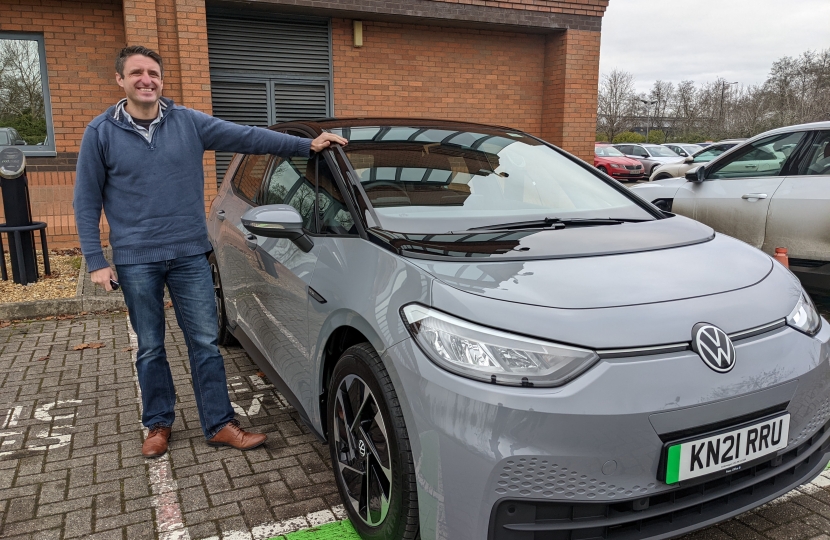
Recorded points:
(726, 451)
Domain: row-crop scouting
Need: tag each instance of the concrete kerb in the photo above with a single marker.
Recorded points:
(86, 300)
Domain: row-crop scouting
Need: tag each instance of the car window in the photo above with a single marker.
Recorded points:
(711, 153)
(333, 216)
(289, 184)
(248, 177)
(818, 156)
(4, 138)
(764, 157)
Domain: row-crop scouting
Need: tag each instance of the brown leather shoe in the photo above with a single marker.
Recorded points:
(155, 445)
(235, 436)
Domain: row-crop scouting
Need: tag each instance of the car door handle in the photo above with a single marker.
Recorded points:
(250, 241)
(754, 196)
(221, 215)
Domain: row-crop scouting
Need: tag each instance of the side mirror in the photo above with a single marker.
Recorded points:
(278, 221)
(19, 142)
(697, 175)
(689, 159)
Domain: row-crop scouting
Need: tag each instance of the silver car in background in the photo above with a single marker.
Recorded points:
(704, 155)
(683, 149)
(770, 191)
(650, 155)
(498, 341)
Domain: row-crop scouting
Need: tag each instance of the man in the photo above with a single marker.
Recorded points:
(141, 161)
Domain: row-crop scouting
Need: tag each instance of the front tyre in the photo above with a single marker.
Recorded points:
(369, 448)
(224, 336)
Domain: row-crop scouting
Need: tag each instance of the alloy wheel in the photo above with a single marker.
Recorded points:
(361, 443)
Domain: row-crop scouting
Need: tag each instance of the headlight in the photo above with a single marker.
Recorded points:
(804, 316)
(492, 356)
(617, 166)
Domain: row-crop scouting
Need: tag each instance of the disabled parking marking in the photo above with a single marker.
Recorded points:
(42, 412)
(253, 410)
(168, 515)
(12, 417)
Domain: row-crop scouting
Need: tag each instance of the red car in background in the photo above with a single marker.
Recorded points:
(614, 163)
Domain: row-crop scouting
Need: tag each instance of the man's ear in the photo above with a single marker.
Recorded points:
(119, 79)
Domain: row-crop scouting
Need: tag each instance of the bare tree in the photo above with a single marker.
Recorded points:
(661, 95)
(21, 88)
(615, 103)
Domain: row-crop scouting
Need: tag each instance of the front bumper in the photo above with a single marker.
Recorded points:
(596, 442)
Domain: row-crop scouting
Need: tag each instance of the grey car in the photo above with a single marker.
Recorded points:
(650, 155)
(497, 341)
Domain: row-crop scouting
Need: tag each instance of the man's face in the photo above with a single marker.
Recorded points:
(141, 81)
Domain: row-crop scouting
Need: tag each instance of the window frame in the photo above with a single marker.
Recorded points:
(50, 149)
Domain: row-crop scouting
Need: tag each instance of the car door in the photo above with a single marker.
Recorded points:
(799, 213)
(282, 275)
(236, 246)
(735, 196)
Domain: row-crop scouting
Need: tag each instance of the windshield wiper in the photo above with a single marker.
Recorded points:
(555, 223)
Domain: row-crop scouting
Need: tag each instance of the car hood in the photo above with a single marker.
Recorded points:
(645, 276)
(668, 182)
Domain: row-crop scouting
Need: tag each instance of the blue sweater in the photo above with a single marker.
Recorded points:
(153, 191)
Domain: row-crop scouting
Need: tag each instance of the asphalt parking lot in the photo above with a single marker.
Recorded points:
(70, 438)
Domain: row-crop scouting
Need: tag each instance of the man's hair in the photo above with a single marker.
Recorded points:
(132, 50)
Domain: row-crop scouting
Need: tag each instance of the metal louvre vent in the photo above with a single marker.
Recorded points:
(294, 101)
(267, 43)
(267, 68)
(240, 102)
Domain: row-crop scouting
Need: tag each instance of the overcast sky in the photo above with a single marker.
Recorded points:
(702, 40)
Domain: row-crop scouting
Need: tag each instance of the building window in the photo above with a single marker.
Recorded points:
(25, 108)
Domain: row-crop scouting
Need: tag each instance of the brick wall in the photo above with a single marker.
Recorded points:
(581, 7)
(543, 84)
(437, 72)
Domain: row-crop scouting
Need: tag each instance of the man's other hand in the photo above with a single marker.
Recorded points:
(102, 277)
(325, 140)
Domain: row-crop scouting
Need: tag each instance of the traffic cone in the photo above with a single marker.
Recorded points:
(781, 256)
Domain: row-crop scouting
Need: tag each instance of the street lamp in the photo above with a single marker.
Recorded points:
(723, 86)
(647, 103)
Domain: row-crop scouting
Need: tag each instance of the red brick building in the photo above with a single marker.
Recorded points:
(529, 64)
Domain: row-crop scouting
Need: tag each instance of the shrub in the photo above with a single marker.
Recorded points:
(629, 137)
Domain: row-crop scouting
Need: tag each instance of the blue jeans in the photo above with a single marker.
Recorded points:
(191, 289)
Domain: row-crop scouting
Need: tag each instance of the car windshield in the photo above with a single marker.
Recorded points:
(608, 151)
(437, 180)
(660, 151)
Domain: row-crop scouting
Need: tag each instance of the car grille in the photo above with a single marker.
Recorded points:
(633, 167)
(663, 513)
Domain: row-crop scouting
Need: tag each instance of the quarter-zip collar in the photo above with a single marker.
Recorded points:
(118, 116)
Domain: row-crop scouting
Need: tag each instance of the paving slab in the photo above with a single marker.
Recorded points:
(70, 463)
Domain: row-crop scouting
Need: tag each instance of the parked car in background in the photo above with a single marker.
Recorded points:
(443, 304)
(704, 155)
(650, 155)
(10, 137)
(770, 191)
(614, 163)
(683, 149)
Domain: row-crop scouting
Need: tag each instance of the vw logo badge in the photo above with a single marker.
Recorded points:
(714, 347)
(362, 448)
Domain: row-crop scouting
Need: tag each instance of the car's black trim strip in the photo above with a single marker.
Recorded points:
(691, 501)
(758, 330)
(687, 346)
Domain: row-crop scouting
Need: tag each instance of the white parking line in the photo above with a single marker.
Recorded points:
(169, 524)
